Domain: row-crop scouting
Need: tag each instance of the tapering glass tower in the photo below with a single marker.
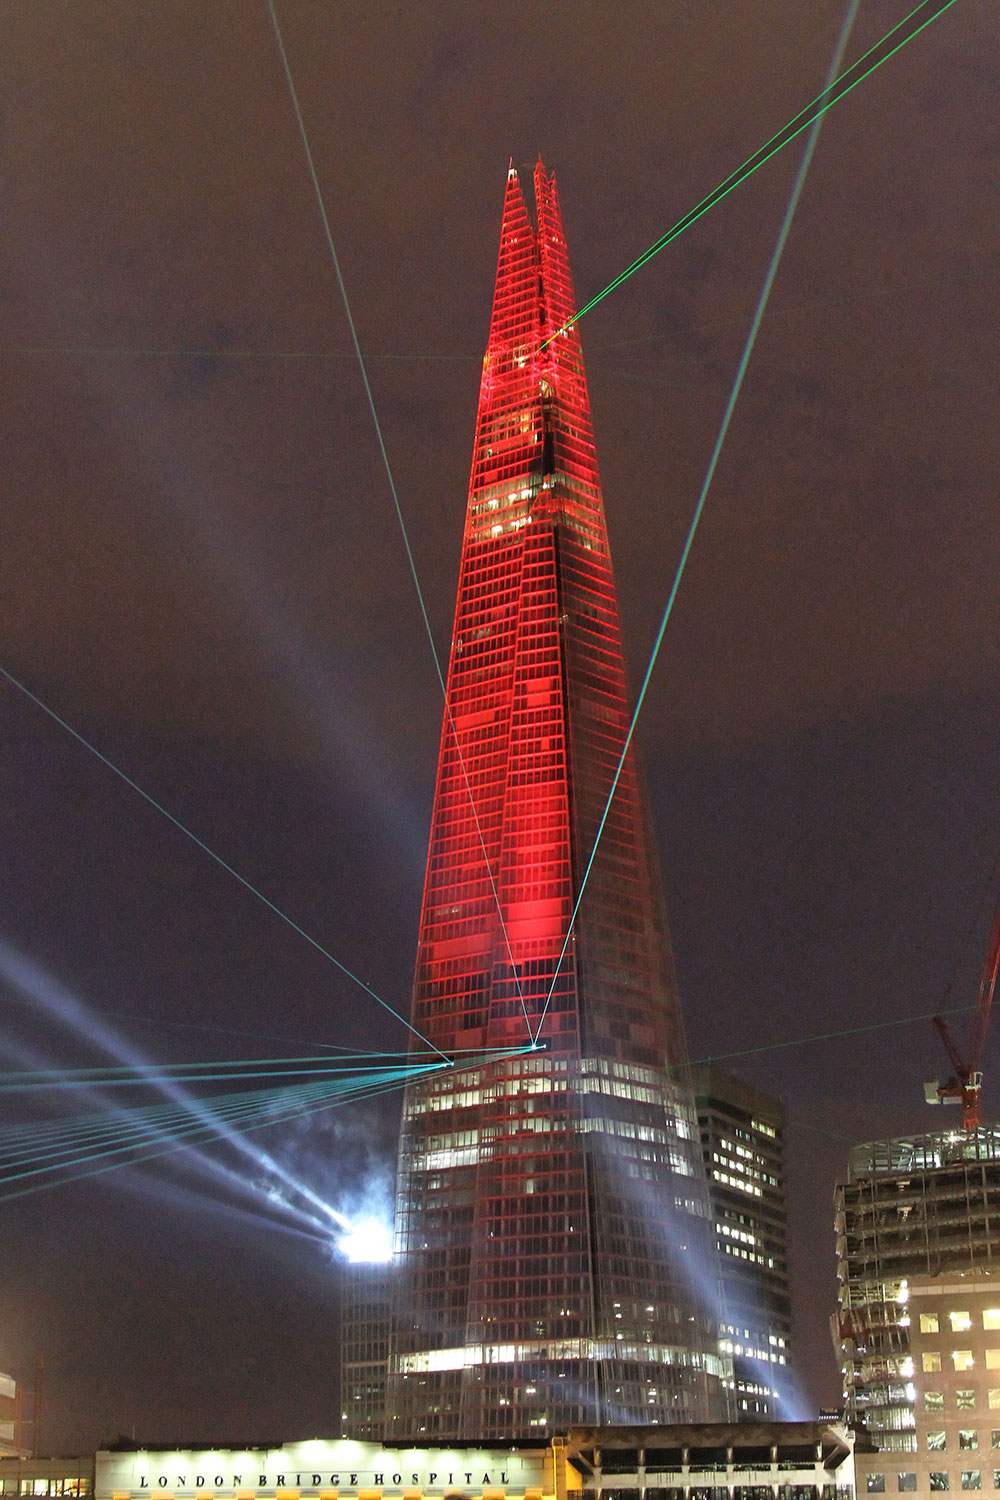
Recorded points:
(554, 1258)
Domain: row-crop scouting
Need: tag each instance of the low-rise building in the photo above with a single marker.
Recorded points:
(8, 1415)
(717, 1461)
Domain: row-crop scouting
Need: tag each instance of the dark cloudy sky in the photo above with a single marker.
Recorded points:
(201, 570)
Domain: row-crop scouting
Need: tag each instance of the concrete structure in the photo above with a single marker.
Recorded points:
(554, 1249)
(762, 1461)
(715, 1461)
(918, 1330)
(47, 1476)
(8, 1414)
(13, 1428)
(742, 1143)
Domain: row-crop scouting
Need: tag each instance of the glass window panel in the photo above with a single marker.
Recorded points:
(965, 1400)
(934, 1400)
(875, 1484)
(991, 1319)
(960, 1321)
(937, 1442)
(931, 1360)
(939, 1479)
(928, 1322)
(962, 1358)
(906, 1482)
(971, 1479)
(968, 1437)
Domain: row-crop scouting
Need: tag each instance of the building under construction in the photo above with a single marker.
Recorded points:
(918, 1329)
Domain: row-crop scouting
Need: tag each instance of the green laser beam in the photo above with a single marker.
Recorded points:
(829, 1036)
(751, 339)
(806, 117)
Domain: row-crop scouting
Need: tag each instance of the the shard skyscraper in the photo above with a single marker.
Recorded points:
(554, 1260)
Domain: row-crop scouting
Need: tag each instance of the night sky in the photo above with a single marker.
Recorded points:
(201, 570)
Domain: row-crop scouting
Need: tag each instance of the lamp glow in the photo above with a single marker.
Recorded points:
(369, 1239)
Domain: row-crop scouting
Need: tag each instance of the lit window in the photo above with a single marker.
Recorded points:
(937, 1442)
(971, 1479)
(968, 1437)
(934, 1400)
(931, 1360)
(965, 1400)
(906, 1482)
(939, 1479)
(962, 1359)
(991, 1319)
(960, 1322)
(928, 1322)
(993, 1359)
(875, 1484)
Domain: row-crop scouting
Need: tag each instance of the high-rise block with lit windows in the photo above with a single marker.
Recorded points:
(742, 1134)
(918, 1329)
(554, 1252)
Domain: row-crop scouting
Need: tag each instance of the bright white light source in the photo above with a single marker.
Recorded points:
(367, 1239)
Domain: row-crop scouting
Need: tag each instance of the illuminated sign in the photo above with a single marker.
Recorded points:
(317, 1467)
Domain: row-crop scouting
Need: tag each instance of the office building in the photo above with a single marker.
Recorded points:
(918, 1327)
(553, 1245)
(366, 1307)
(742, 1133)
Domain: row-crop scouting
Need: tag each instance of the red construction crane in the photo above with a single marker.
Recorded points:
(965, 1085)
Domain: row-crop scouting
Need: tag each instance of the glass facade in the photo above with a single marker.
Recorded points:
(553, 1242)
(742, 1142)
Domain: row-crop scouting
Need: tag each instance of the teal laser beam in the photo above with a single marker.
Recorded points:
(127, 1133)
(124, 1135)
(133, 1155)
(328, 232)
(223, 864)
(94, 1168)
(13, 1083)
(78, 1140)
(53, 1139)
(830, 96)
(151, 1074)
(751, 339)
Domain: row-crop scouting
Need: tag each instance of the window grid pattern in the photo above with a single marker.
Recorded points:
(531, 1203)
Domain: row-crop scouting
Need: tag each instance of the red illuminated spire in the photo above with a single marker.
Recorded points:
(541, 1201)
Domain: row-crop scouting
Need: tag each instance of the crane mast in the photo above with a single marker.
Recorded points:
(964, 1087)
